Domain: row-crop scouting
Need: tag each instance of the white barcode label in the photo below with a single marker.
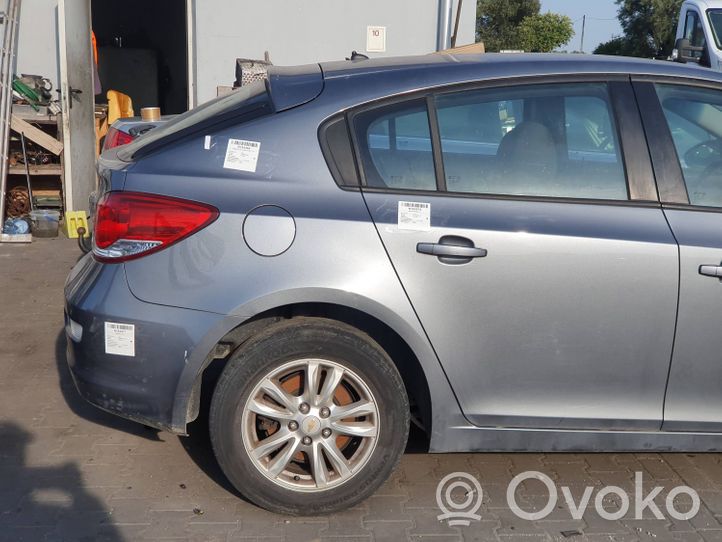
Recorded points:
(414, 216)
(119, 339)
(242, 155)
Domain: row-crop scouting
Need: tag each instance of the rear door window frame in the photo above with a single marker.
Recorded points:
(636, 162)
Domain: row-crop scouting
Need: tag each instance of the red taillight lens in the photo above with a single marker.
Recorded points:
(132, 224)
(116, 138)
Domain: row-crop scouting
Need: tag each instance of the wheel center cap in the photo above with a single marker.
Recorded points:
(311, 425)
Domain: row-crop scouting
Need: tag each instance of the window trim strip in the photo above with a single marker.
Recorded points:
(436, 149)
(665, 162)
(634, 148)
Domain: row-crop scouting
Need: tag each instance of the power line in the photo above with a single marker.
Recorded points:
(584, 19)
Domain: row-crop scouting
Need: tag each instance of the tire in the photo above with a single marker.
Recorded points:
(286, 459)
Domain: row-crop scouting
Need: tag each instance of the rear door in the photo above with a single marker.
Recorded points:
(684, 124)
(542, 269)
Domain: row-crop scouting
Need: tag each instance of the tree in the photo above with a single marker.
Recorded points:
(544, 33)
(649, 28)
(616, 46)
(497, 21)
(664, 24)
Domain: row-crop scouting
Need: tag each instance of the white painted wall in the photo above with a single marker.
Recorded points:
(37, 51)
(294, 32)
(305, 31)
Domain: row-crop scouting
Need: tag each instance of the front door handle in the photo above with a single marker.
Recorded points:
(711, 271)
(452, 249)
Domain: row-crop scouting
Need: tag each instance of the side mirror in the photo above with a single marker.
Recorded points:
(684, 52)
(681, 52)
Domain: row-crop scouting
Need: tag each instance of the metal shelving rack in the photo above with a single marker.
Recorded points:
(47, 180)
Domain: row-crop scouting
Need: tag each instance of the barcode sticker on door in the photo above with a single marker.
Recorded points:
(120, 339)
(242, 155)
(414, 216)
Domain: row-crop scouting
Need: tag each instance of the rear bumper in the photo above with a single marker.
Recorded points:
(118, 396)
(154, 386)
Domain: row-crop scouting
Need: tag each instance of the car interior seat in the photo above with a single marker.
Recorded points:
(527, 158)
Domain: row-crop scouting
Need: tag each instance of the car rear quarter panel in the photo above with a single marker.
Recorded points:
(335, 247)
(336, 256)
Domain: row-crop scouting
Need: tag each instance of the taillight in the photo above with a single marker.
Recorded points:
(116, 138)
(132, 224)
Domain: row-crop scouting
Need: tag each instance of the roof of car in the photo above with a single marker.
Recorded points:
(512, 64)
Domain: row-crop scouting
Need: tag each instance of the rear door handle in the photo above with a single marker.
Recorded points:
(711, 271)
(452, 249)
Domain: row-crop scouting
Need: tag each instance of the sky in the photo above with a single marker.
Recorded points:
(602, 23)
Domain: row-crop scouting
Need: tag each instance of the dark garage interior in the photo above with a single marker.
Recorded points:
(142, 52)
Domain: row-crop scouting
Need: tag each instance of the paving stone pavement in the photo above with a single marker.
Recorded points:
(71, 472)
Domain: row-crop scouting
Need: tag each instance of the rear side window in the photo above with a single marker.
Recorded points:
(536, 140)
(551, 140)
(694, 117)
(395, 147)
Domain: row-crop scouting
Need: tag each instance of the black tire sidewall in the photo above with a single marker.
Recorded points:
(297, 339)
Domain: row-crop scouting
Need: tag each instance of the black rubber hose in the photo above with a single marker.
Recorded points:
(83, 243)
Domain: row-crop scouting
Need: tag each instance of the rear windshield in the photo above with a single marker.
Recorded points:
(238, 102)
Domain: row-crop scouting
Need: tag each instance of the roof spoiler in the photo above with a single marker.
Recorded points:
(291, 86)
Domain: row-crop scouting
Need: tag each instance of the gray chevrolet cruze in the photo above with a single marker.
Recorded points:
(511, 252)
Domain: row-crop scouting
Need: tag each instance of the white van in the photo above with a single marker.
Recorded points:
(699, 33)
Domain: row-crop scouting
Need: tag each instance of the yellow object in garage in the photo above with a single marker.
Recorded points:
(73, 221)
(120, 106)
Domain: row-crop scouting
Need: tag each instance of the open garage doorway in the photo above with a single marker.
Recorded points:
(145, 50)
(142, 51)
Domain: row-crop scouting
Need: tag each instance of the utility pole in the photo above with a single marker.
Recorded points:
(584, 24)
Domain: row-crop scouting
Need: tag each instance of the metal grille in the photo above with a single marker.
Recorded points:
(249, 71)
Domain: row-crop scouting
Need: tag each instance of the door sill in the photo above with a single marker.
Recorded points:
(563, 424)
(477, 439)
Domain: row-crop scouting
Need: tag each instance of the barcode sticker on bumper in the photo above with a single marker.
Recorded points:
(414, 216)
(120, 339)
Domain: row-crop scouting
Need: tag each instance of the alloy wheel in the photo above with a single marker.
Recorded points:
(310, 425)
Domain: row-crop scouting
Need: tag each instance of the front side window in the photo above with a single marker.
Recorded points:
(535, 140)
(694, 32)
(694, 117)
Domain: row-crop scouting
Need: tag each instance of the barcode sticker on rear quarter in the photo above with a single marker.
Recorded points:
(242, 155)
(414, 216)
(119, 339)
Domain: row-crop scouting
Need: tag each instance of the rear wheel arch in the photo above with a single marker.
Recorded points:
(407, 362)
